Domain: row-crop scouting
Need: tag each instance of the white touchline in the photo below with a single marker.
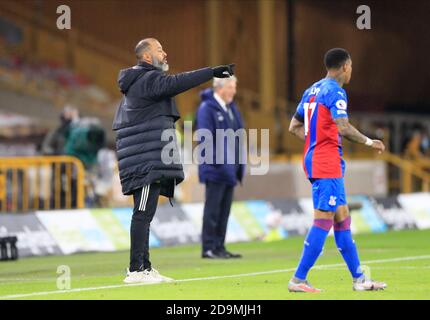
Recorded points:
(25, 279)
(43, 293)
(383, 268)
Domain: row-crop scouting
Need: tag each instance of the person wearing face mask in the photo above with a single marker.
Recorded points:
(54, 144)
(56, 139)
(146, 111)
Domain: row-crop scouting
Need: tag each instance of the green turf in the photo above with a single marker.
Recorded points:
(408, 279)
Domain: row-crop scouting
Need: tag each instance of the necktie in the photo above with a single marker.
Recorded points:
(230, 113)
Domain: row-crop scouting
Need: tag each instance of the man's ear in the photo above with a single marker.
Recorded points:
(147, 57)
(344, 67)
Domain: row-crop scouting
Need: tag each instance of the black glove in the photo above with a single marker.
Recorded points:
(223, 71)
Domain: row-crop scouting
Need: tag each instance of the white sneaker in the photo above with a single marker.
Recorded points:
(145, 276)
(154, 274)
(365, 284)
(136, 277)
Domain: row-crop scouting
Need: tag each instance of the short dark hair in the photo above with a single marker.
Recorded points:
(336, 58)
(141, 47)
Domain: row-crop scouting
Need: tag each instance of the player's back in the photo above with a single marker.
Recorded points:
(321, 104)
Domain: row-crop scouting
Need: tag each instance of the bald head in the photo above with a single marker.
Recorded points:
(143, 46)
(149, 50)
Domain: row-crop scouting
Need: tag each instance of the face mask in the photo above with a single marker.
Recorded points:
(64, 120)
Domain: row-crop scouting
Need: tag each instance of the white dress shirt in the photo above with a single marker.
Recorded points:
(223, 105)
(220, 101)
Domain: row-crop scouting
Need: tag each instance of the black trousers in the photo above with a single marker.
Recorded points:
(215, 215)
(145, 205)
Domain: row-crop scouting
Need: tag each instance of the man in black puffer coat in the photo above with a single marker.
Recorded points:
(146, 110)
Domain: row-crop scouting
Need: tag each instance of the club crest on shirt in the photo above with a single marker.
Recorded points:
(332, 201)
(220, 116)
(341, 104)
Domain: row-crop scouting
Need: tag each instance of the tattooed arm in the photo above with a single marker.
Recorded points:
(348, 131)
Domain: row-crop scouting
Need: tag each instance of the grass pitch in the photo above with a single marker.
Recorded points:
(401, 258)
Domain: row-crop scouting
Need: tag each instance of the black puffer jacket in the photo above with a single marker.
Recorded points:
(146, 110)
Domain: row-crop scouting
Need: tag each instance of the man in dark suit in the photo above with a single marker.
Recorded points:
(146, 110)
(218, 111)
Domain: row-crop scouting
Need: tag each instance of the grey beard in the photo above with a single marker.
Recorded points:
(160, 65)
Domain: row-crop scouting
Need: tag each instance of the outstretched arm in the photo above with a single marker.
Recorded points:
(348, 131)
(297, 128)
(159, 84)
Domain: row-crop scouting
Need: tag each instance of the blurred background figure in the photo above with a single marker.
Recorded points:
(425, 143)
(84, 139)
(218, 111)
(417, 148)
(413, 149)
(55, 140)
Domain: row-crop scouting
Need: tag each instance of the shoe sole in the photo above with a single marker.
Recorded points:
(148, 282)
(164, 280)
(300, 289)
(370, 289)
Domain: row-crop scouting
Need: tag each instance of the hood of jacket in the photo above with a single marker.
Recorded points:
(207, 95)
(127, 77)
